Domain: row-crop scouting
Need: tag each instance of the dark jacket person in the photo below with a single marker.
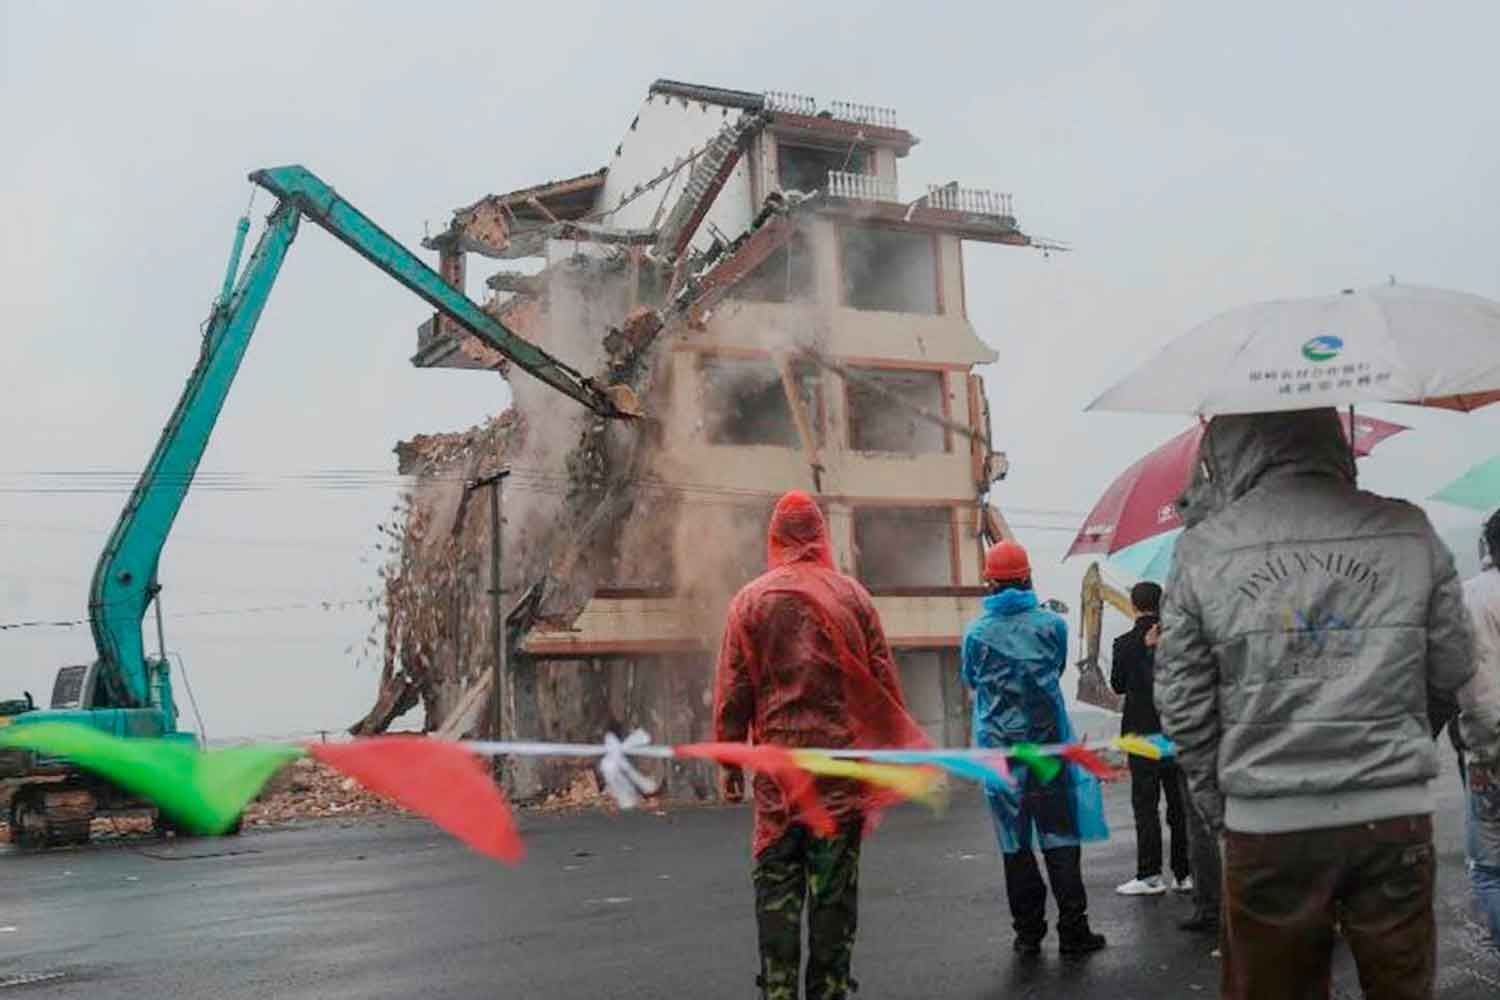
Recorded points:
(1133, 666)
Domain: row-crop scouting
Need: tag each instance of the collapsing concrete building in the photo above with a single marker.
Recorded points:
(747, 263)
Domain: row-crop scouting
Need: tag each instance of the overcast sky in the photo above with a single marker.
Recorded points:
(1198, 156)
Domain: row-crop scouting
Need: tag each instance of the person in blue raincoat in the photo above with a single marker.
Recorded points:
(1013, 657)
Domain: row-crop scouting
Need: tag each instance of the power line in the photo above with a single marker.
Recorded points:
(359, 479)
(208, 613)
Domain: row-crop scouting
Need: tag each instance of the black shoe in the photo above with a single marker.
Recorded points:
(1200, 923)
(1082, 943)
(1027, 946)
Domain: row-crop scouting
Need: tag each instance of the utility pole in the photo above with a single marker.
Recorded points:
(500, 681)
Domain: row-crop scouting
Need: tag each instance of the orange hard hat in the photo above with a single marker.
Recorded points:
(1007, 562)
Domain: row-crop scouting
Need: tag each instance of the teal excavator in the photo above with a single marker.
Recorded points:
(125, 692)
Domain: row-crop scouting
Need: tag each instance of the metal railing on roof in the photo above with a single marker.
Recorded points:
(861, 187)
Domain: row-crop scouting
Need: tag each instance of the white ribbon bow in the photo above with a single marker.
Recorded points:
(624, 782)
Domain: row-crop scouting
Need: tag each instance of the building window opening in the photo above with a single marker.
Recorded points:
(921, 674)
(904, 547)
(785, 276)
(745, 403)
(889, 271)
(805, 168)
(876, 423)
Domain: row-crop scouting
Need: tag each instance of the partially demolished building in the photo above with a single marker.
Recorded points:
(748, 264)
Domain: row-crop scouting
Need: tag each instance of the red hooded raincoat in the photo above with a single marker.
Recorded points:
(805, 663)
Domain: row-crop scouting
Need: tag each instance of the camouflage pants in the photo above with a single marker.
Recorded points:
(825, 874)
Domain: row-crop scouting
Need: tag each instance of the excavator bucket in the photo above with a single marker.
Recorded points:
(624, 400)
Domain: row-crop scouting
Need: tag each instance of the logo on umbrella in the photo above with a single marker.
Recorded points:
(1324, 348)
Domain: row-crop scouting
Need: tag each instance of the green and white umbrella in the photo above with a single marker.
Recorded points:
(1388, 344)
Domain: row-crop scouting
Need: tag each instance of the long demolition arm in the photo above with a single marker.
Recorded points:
(124, 581)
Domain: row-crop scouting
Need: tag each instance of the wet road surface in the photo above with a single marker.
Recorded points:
(634, 905)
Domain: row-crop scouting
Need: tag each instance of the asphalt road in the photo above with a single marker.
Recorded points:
(635, 905)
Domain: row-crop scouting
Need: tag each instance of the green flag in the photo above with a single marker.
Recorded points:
(1043, 766)
(202, 792)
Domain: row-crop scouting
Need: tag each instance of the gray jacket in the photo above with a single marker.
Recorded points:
(1304, 623)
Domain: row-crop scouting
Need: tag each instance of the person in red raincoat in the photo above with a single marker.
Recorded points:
(805, 663)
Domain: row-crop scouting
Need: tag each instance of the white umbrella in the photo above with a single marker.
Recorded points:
(1391, 343)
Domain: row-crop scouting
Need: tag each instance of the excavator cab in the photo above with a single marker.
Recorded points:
(16, 706)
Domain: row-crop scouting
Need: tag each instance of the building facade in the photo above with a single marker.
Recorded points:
(822, 343)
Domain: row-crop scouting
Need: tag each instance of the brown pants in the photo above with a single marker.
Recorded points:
(1286, 894)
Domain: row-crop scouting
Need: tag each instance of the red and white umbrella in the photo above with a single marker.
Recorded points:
(1142, 502)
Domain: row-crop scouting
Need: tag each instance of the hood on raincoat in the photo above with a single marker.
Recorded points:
(798, 533)
(1241, 450)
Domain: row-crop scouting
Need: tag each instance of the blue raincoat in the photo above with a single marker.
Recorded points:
(1013, 658)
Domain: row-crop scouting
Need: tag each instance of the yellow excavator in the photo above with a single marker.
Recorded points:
(1093, 682)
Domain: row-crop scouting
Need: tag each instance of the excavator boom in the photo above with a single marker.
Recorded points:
(1093, 685)
(322, 204)
(124, 581)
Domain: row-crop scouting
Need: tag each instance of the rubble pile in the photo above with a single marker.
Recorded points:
(307, 789)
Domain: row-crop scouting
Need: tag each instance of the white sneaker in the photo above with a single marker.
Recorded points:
(1150, 886)
(1183, 884)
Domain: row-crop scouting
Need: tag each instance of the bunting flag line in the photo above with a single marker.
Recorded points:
(205, 791)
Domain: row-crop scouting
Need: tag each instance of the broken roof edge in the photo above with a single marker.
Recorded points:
(546, 189)
(722, 96)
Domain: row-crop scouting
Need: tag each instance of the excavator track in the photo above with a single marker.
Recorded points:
(55, 815)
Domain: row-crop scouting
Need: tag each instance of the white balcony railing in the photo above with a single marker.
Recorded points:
(863, 114)
(861, 187)
(849, 111)
(971, 201)
(796, 104)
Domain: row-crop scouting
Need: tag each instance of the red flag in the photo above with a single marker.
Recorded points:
(436, 779)
(1091, 762)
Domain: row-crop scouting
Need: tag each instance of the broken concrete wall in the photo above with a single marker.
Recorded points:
(653, 163)
(438, 623)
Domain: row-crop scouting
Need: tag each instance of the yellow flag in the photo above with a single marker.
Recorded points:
(914, 781)
(1137, 745)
